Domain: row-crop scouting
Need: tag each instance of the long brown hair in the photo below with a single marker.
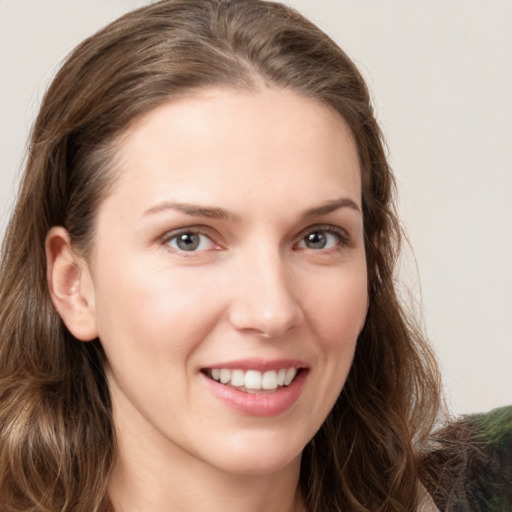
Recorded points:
(57, 441)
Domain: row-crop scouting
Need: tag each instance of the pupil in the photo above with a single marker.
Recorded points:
(316, 240)
(188, 241)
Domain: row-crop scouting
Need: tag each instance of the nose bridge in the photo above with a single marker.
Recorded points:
(264, 301)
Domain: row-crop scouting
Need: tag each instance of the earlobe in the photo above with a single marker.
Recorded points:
(70, 285)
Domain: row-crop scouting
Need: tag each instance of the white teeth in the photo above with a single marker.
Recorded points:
(254, 380)
(225, 376)
(290, 374)
(237, 378)
(269, 380)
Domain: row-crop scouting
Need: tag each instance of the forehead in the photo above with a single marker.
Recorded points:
(232, 143)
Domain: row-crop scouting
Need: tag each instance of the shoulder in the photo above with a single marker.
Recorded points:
(467, 465)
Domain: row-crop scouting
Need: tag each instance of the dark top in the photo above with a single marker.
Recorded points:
(475, 457)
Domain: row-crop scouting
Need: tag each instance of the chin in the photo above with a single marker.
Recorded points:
(261, 454)
(261, 465)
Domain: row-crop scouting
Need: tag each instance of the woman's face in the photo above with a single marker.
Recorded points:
(229, 278)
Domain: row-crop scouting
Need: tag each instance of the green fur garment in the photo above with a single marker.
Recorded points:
(468, 465)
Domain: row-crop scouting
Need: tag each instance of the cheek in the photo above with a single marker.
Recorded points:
(338, 309)
(152, 312)
(337, 315)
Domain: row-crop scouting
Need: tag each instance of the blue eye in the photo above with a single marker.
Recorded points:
(190, 242)
(321, 239)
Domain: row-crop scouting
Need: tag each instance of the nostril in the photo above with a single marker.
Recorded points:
(262, 324)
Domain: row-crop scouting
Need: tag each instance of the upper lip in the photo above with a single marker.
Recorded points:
(261, 365)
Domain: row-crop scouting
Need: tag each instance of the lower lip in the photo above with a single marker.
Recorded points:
(264, 404)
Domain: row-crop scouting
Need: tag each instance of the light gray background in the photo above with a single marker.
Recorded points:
(441, 75)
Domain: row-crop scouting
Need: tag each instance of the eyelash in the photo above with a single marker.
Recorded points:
(174, 235)
(341, 235)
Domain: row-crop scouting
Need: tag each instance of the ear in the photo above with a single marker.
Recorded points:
(71, 286)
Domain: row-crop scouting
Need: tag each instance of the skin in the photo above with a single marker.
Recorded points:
(254, 288)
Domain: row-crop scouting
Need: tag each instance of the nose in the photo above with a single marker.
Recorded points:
(264, 296)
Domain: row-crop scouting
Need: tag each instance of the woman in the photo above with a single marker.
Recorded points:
(197, 302)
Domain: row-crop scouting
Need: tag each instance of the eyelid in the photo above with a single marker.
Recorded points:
(342, 234)
(196, 230)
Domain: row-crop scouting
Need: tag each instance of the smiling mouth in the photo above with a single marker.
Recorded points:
(253, 381)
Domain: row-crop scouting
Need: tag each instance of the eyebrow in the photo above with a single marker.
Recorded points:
(331, 206)
(213, 212)
(192, 210)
